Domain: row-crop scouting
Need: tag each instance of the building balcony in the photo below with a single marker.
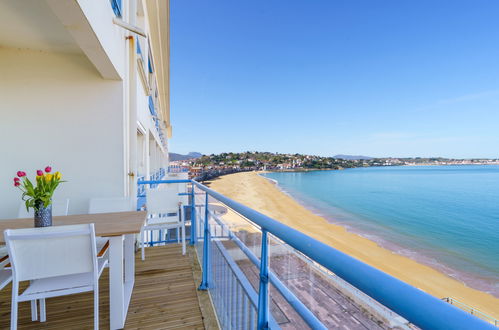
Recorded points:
(244, 270)
(164, 296)
(260, 274)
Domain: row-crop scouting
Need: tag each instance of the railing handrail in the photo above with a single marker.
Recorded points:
(415, 305)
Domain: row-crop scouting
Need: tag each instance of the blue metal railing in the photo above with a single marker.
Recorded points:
(177, 169)
(294, 301)
(141, 189)
(418, 307)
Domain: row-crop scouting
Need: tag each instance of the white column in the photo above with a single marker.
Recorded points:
(132, 101)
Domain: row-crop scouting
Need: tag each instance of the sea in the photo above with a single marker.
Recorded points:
(444, 216)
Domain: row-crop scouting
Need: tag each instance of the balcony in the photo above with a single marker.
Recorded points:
(262, 274)
(164, 296)
(244, 270)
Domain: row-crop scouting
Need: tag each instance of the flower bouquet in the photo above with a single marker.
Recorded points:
(39, 195)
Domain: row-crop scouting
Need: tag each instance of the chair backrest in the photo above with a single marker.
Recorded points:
(106, 205)
(162, 201)
(182, 187)
(37, 253)
(59, 207)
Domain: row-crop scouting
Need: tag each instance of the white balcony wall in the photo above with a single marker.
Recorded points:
(100, 16)
(143, 113)
(57, 110)
(91, 25)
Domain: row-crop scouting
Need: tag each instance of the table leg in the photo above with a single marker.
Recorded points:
(129, 269)
(121, 278)
(116, 285)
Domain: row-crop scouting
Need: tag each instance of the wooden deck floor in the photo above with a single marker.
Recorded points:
(164, 297)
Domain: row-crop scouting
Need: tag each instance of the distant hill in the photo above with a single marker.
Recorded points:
(190, 155)
(352, 157)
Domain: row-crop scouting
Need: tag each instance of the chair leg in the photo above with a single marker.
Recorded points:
(183, 239)
(96, 307)
(43, 310)
(13, 313)
(142, 232)
(34, 310)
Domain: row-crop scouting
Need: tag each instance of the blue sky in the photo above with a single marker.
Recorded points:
(378, 78)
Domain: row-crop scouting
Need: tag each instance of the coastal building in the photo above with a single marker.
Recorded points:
(85, 88)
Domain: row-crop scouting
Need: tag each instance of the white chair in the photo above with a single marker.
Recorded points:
(182, 189)
(59, 207)
(107, 205)
(58, 261)
(163, 212)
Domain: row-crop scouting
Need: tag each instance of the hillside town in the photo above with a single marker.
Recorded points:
(206, 167)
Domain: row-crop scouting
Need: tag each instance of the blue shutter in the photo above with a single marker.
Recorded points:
(139, 51)
(116, 4)
(149, 63)
(151, 106)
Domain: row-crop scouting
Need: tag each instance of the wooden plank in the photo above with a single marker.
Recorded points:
(106, 224)
(164, 297)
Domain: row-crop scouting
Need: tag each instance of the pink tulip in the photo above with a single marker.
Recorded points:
(16, 179)
(39, 172)
(48, 169)
(21, 174)
(17, 184)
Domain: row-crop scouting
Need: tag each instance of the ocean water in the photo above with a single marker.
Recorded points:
(444, 216)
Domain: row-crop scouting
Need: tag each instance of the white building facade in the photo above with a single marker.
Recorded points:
(84, 87)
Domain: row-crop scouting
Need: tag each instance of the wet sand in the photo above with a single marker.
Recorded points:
(259, 193)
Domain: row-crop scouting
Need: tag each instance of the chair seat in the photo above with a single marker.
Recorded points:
(161, 223)
(59, 283)
(172, 219)
(5, 277)
(162, 226)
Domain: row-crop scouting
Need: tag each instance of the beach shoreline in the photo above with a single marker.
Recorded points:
(266, 196)
(472, 280)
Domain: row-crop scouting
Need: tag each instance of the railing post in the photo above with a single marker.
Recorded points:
(263, 292)
(194, 235)
(206, 248)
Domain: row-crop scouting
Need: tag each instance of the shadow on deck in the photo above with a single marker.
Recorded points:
(164, 297)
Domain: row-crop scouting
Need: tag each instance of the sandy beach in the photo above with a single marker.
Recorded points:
(259, 193)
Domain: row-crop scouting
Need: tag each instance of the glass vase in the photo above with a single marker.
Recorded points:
(43, 215)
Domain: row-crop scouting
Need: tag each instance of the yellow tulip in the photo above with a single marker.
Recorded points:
(58, 175)
(48, 177)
